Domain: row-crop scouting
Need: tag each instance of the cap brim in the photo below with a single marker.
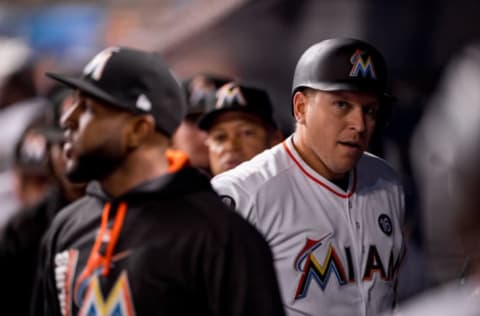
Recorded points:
(87, 87)
(206, 121)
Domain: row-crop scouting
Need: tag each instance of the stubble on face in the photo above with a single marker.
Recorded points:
(97, 162)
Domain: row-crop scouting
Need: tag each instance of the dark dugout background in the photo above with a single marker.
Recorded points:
(260, 42)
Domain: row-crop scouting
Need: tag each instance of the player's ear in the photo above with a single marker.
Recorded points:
(141, 127)
(299, 106)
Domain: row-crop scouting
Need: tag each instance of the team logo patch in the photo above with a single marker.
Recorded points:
(34, 147)
(228, 200)
(385, 224)
(316, 270)
(228, 95)
(362, 65)
(118, 301)
(95, 67)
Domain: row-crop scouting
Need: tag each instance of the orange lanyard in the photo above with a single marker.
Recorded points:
(177, 160)
(108, 236)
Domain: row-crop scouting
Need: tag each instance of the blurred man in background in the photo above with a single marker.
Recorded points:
(239, 126)
(40, 161)
(460, 296)
(445, 154)
(200, 93)
(32, 177)
(449, 126)
(19, 106)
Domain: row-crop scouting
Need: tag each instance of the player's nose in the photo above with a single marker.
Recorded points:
(69, 120)
(233, 143)
(357, 119)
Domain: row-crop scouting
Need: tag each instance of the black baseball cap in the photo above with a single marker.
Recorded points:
(200, 91)
(55, 98)
(235, 97)
(134, 80)
(342, 64)
(31, 154)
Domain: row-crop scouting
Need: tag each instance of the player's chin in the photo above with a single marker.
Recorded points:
(72, 172)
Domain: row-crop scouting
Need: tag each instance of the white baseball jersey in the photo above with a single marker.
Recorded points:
(336, 252)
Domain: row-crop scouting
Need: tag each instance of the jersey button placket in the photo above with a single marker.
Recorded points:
(355, 224)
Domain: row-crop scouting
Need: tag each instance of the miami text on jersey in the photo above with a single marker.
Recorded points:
(321, 271)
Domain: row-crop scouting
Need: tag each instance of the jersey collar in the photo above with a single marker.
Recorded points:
(315, 176)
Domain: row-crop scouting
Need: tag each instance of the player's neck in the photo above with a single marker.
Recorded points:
(313, 160)
(342, 182)
(137, 168)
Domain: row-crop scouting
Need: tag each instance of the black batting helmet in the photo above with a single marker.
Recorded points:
(342, 64)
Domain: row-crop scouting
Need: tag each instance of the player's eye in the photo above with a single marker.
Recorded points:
(91, 107)
(247, 132)
(341, 104)
(218, 137)
(371, 111)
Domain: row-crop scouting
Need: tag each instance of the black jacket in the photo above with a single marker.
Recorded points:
(180, 251)
(19, 247)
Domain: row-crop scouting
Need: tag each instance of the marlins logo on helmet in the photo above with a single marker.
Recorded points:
(362, 66)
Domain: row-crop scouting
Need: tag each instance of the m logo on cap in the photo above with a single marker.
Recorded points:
(228, 95)
(95, 67)
(362, 65)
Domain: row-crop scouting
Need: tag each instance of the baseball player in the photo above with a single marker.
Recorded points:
(20, 238)
(445, 154)
(200, 92)
(151, 237)
(239, 126)
(331, 212)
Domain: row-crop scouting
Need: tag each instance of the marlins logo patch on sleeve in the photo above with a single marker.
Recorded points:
(229, 201)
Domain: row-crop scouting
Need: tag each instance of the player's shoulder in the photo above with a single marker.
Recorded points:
(72, 216)
(372, 165)
(255, 173)
(69, 214)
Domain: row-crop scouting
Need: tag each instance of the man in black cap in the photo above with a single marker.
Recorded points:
(240, 125)
(152, 238)
(200, 92)
(332, 213)
(21, 237)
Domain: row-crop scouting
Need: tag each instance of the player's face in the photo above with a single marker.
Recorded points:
(234, 138)
(94, 141)
(57, 159)
(334, 129)
(190, 139)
